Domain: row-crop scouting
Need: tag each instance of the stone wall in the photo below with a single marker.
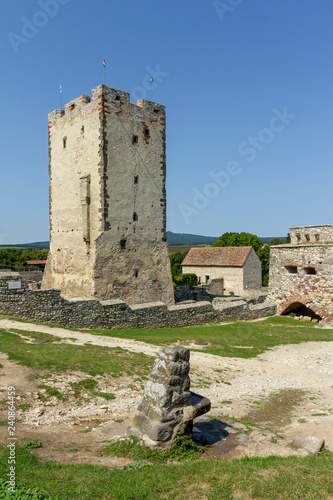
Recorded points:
(47, 306)
(252, 278)
(302, 275)
(311, 234)
(107, 164)
(232, 276)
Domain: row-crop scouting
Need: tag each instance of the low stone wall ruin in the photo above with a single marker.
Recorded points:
(47, 306)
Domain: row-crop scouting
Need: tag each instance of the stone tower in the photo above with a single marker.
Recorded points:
(107, 171)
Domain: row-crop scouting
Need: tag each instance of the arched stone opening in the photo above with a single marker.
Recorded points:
(299, 309)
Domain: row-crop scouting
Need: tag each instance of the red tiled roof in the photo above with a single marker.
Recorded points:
(217, 256)
(35, 262)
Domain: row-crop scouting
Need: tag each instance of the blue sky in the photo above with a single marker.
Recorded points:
(247, 87)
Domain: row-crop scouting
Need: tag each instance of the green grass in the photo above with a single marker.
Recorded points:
(260, 335)
(183, 449)
(272, 478)
(93, 360)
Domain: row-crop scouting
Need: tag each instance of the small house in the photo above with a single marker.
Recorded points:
(238, 267)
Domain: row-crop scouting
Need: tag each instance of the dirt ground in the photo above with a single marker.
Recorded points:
(284, 392)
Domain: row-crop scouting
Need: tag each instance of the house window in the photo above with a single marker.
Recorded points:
(291, 269)
(135, 139)
(206, 279)
(122, 244)
(117, 97)
(64, 142)
(310, 270)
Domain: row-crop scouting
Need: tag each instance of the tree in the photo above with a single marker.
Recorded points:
(239, 240)
(246, 240)
(178, 277)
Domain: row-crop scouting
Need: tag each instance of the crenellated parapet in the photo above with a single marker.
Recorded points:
(107, 100)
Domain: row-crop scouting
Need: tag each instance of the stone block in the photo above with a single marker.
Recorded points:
(311, 444)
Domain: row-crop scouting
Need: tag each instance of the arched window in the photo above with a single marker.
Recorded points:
(135, 216)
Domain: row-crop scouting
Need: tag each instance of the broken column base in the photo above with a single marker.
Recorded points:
(168, 407)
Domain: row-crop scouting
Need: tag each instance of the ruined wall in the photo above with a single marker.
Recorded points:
(108, 199)
(311, 234)
(47, 306)
(302, 274)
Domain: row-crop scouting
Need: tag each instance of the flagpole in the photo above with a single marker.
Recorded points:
(150, 82)
(104, 65)
(104, 76)
(61, 97)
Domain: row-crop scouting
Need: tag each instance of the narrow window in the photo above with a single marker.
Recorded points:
(135, 139)
(307, 237)
(291, 269)
(310, 270)
(298, 236)
(82, 129)
(147, 133)
(122, 244)
(64, 142)
(136, 179)
(136, 273)
(135, 216)
(117, 97)
(206, 279)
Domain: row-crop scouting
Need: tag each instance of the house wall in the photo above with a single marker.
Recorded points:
(232, 276)
(252, 272)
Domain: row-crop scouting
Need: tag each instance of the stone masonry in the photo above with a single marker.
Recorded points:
(301, 273)
(47, 306)
(165, 410)
(107, 166)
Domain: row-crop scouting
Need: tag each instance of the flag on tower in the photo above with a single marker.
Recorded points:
(104, 63)
(151, 79)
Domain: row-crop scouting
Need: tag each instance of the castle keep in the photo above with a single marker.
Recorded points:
(301, 273)
(107, 171)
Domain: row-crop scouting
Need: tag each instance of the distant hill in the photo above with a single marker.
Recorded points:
(41, 245)
(175, 239)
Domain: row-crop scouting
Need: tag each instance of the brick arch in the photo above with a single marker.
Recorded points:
(296, 301)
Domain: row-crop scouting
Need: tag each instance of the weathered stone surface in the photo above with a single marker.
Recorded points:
(300, 274)
(311, 444)
(47, 306)
(107, 222)
(166, 410)
(159, 433)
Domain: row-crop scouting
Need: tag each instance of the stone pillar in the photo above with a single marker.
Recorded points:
(165, 411)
